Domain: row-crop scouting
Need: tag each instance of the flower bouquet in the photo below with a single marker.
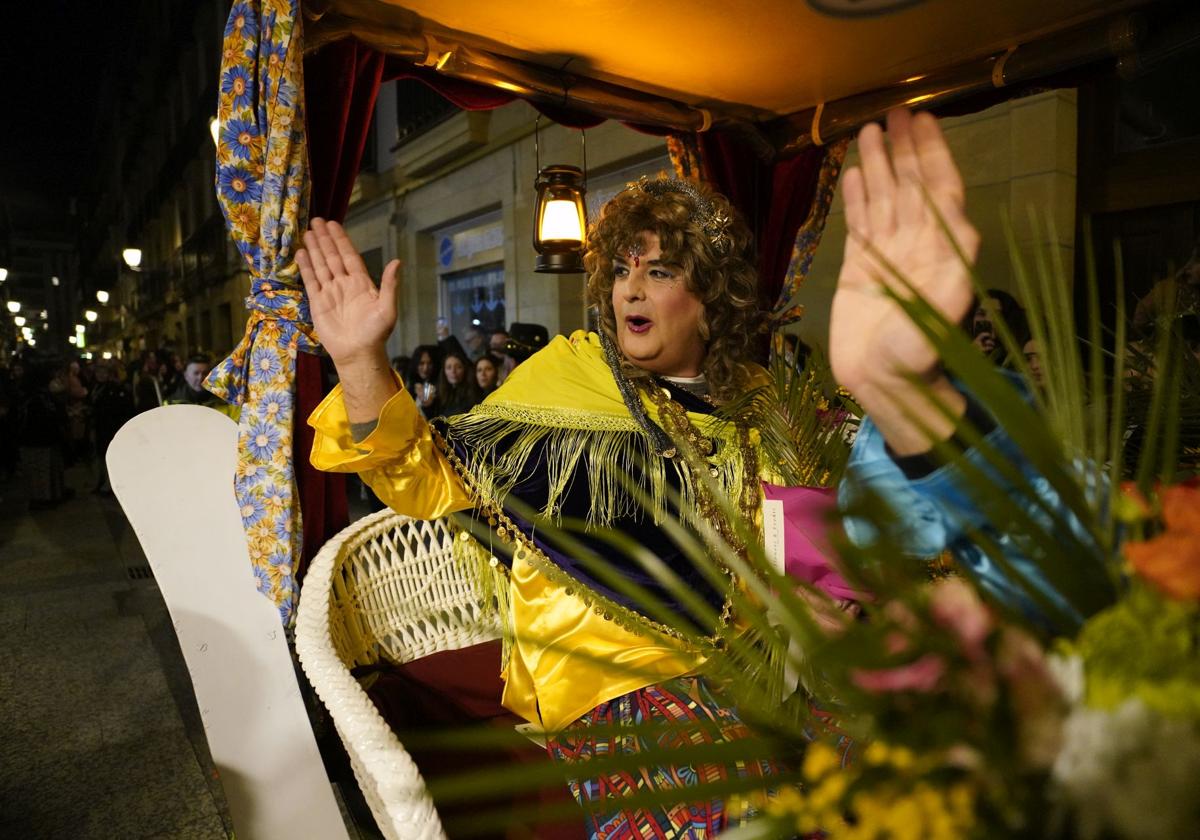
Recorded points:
(955, 714)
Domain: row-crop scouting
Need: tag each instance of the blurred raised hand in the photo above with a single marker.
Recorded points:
(893, 202)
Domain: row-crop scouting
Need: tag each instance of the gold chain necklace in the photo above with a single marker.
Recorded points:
(698, 448)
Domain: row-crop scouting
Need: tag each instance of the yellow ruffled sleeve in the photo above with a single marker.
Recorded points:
(399, 459)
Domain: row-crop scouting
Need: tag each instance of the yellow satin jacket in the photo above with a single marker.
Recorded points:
(566, 655)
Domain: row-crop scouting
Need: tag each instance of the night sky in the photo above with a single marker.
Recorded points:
(53, 56)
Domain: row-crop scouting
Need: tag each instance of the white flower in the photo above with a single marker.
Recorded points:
(1129, 772)
(1067, 672)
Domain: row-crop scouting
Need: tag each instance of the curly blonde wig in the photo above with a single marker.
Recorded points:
(721, 275)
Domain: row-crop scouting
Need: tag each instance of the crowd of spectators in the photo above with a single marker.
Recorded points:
(453, 376)
(56, 413)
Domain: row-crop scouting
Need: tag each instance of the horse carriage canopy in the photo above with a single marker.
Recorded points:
(755, 98)
(784, 66)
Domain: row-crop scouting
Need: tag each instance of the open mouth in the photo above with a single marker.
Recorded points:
(638, 324)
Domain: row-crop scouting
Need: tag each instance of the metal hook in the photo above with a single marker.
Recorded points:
(537, 146)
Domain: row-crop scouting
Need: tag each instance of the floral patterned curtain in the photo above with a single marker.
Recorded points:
(807, 239)
(262, 186)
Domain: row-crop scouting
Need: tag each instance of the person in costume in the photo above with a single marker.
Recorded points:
(593, 421)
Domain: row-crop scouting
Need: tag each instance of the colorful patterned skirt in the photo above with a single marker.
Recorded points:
(681, 700)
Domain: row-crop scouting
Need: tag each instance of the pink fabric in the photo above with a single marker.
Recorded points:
(808, 555)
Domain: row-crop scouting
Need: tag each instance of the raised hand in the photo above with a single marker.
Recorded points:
(352, 318)
(892, 208)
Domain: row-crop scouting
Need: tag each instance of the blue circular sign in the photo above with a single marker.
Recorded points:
(446, 251)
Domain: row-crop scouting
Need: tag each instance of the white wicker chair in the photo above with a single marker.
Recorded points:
(385, 588)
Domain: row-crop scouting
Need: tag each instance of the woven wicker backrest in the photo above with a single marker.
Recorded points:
(398, 593)
(387, 587)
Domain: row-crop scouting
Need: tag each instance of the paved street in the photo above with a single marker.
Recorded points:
(101, 734)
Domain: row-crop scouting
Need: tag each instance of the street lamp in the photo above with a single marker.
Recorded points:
(102, 295)
(19, 320)
(54, 281)
(132, 257)
(91, 315)
(14, 306)
(71, 339)
(3, 274)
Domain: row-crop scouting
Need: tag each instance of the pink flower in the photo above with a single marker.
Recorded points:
(896, 642)
(922, 675)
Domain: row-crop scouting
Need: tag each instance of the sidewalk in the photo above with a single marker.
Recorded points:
(100, 736)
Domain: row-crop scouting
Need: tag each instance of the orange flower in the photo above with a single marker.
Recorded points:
(1170, 561)
(1181, 509)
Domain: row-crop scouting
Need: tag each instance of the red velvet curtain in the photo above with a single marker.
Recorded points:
(775, 198)
(341, 85)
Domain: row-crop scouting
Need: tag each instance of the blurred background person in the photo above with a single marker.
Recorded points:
(76, 404)
(997, 304)
(498, 348)
(41, 435)
(524, 340)
(456, 390)
(475, 342)
(147, 383)
(795, 352)
(190, 390)
(1033, 357)
(170, 375)
(422, 378)
(111, 407)
(487, 375)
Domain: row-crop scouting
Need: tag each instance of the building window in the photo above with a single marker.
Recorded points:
(418, 109)
(474, 300)
(470, 268)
